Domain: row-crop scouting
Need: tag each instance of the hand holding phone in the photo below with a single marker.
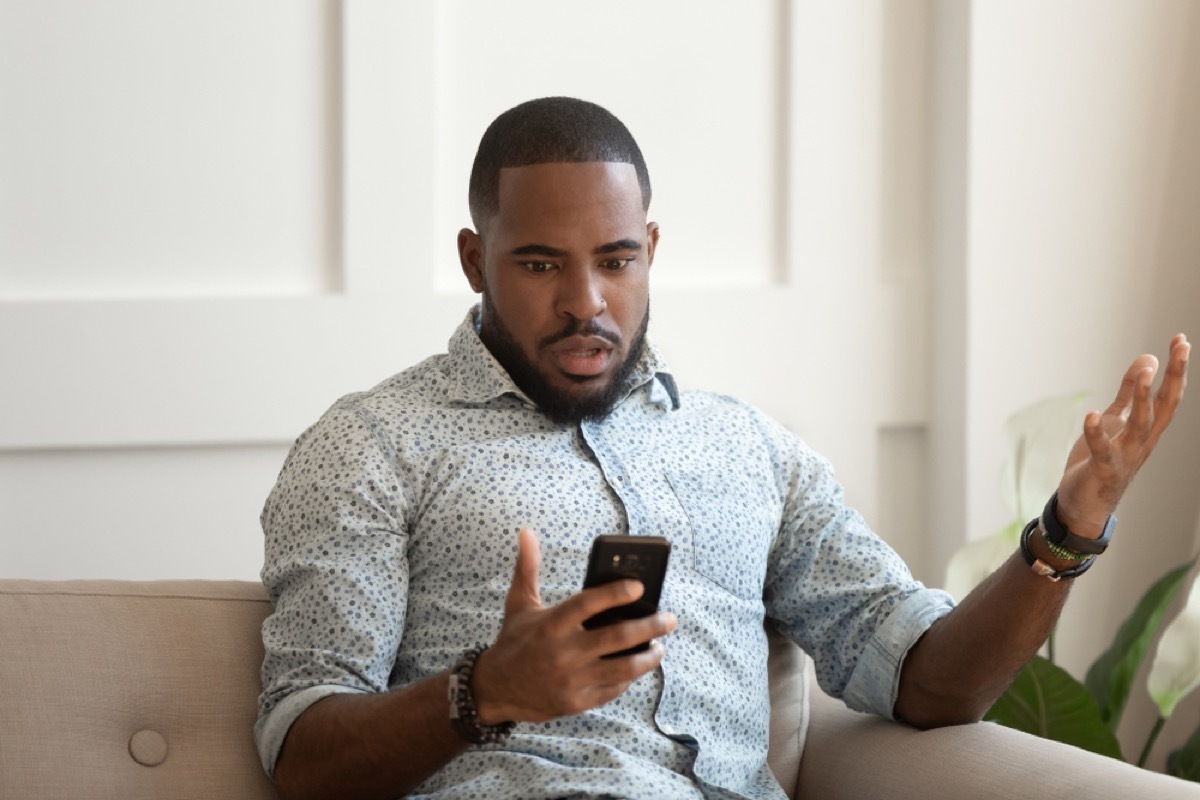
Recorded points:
(640, 558)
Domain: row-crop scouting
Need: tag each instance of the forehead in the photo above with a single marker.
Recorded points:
(580, 196)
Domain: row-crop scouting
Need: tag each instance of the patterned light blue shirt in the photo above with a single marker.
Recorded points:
(391, 540)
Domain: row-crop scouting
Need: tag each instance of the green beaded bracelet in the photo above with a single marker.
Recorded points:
(1066, 554)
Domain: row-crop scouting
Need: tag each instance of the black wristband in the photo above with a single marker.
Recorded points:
(1057, 533)
(464, 716)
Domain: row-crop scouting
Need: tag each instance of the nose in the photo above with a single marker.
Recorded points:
(580, 294)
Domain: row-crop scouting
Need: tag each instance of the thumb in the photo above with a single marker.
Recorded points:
(524, 590)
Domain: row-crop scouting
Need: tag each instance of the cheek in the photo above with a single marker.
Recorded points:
(522, 310)
(521, 314)
(632, 304)
(507, 299)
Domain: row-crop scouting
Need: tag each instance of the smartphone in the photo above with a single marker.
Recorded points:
(642, 558)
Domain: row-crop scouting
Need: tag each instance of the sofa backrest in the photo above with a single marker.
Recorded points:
(114, 689)
(130, 690)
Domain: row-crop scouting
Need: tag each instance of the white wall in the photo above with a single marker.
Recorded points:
(1083, 250)
(204, 310)
(888, 223)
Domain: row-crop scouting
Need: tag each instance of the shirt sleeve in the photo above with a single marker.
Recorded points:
(335, 569)
(840, 591)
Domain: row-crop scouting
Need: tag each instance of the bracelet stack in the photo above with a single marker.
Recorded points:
(1065, 545)
(464, 715)
(1041, 567)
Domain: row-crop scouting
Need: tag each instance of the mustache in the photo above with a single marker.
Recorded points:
(579, 327)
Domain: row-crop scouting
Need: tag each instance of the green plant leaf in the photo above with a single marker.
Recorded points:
(1185, 762)
(1111, 677)
(1047, 702)
(1176, 668)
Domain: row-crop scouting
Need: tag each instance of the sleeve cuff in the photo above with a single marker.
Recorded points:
(875, 683)
(272, 728)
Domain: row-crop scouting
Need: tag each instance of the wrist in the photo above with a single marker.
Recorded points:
(1047, 553)
(1083, 526)
(1043, 561)
(487, 693)
(464, 711)
(1055, 530)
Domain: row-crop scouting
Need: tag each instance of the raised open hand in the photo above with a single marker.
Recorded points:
(1116, 443)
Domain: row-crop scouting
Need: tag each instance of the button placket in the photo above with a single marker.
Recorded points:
(616, 478)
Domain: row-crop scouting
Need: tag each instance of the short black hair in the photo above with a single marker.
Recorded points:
(549, 130)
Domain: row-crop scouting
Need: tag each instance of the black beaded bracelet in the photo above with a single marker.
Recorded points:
(464, 716)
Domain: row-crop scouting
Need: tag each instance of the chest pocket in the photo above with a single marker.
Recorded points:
(733, 520)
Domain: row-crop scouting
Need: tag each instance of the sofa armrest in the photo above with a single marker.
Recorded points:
(852, 756)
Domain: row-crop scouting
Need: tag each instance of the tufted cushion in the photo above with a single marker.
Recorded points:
(130, 690)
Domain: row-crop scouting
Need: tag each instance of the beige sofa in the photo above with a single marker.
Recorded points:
(131, 690)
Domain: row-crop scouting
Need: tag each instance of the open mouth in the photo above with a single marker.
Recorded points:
(583, 362)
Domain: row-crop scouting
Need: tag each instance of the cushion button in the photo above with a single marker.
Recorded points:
(148, 748)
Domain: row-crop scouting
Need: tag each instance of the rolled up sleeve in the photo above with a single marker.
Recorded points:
(874, 682)
(840, 591)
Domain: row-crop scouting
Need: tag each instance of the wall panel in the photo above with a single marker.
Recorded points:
(788, 275)
(135, 513)
(709, 112)
(177, 156)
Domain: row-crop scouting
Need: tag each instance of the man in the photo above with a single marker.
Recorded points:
(390, 534)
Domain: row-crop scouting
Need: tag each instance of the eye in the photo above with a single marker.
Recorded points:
(538, 267)
(617, 264)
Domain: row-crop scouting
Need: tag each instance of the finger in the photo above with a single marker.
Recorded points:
(524, 591)
(1125, 393)
(1170, 393)
(623, 635)
(590, 602)
(1177, 361)
(1137, 430)
(1098, 443)
(626, 669)
(600, 680)
(1175, 377)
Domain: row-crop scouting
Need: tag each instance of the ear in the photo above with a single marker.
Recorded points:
(470, 256)
(651, 241)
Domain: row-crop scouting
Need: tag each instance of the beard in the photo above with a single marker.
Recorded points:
(560, 405)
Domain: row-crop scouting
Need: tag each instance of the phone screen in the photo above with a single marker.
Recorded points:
(642, 558)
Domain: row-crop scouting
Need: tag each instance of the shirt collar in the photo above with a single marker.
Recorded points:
(480, 377)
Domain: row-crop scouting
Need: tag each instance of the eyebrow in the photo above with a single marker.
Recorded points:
(619, 244)
(538, 250)
(554, 252)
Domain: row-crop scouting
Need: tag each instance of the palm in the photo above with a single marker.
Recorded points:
(1116, 443)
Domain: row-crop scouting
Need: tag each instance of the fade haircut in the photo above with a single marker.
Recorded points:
(550, 130)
